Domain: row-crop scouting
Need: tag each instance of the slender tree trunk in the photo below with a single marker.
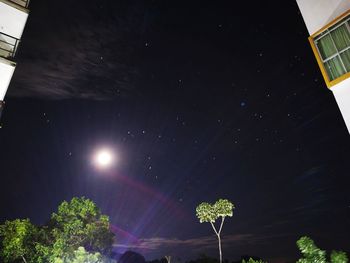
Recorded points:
(218, 235)
(24, 260)
(220, 252)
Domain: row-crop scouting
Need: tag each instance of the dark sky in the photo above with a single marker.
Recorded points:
(201, 100)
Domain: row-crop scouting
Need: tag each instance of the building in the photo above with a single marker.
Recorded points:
(13, 17)
(328, 23)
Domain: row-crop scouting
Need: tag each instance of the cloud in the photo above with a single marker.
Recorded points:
(87, 54)
(195, 243)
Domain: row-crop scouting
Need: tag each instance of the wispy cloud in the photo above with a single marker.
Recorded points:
(78, 57)
(200, 242)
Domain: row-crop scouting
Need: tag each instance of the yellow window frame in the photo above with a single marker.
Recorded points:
(329, 82)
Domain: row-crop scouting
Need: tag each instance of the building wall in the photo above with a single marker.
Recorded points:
(12, 19)
(6, 71)
(341, 93)
(318, 13)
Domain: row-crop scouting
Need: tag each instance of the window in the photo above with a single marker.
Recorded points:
(332, 49)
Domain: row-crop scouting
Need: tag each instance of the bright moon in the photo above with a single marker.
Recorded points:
(104, 158)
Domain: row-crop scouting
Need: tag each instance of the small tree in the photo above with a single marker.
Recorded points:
(311, 253)
(210, 213)
(339, 257)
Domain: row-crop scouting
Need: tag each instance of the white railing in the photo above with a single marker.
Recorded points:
(8, 46)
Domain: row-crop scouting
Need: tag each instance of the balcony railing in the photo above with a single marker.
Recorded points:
(8, 46)
(23, 3)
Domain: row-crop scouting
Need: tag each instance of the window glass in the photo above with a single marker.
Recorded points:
(326, 47)
(334, 68)
(333, 45)
(345, 56)
(341, 37)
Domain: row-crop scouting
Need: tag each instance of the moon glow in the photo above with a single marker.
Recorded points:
(104, 158)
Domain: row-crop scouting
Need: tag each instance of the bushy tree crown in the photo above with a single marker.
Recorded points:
(209, 213)
(77, 225)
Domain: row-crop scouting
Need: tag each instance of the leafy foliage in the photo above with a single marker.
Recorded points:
(17, 237)
(209, 213)
(312, 254)
(205, 212)
(77, 225)
(42, 245)
(310, 251)
(339, 257)
(80, 223)
(252, 261)
(82, 256)
(223, 207)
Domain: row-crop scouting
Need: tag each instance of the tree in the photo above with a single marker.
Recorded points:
(210, 213)
(79, 223)
(82, 256)
(17, 236)
(339, 257)
(251, 260)
(42, 244)
(311, 253)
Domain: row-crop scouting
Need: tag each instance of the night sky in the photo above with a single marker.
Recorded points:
(200, 100)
